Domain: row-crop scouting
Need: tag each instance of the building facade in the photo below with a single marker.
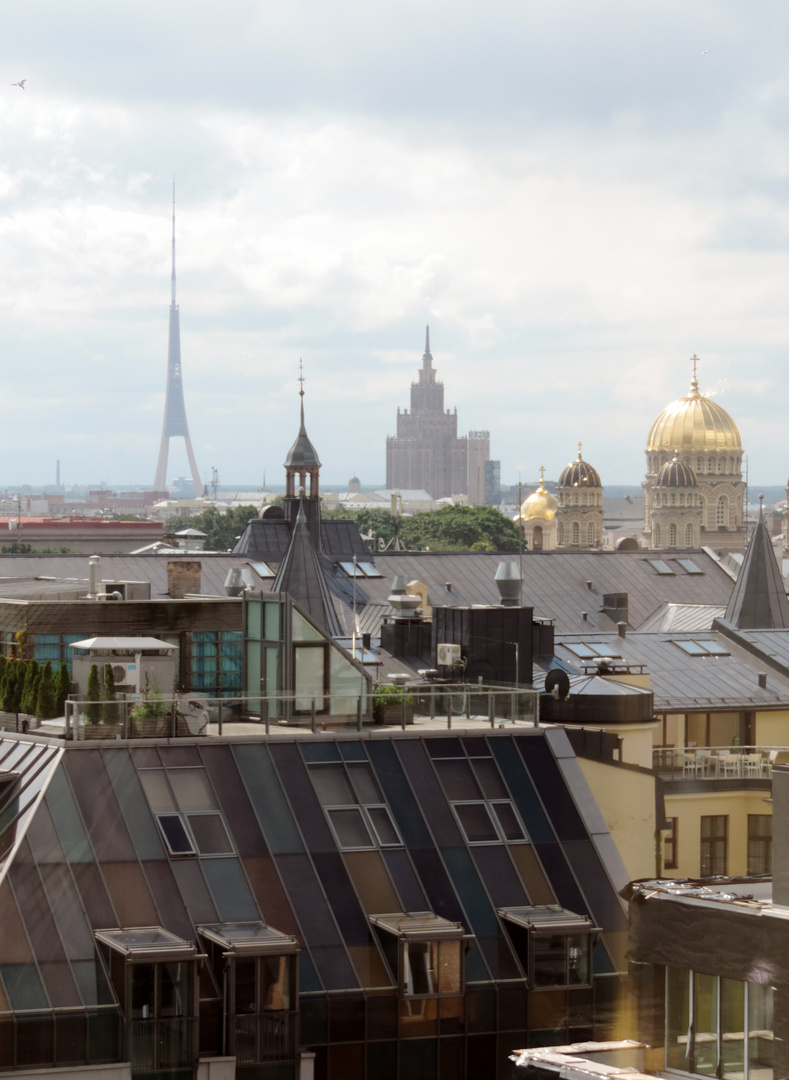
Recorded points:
(427, 451)
(704, 438)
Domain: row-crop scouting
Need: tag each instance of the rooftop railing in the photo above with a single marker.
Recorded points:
(718, 762)
(446, 705)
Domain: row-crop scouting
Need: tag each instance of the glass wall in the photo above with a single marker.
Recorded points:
(718, 1027)
(216, 662)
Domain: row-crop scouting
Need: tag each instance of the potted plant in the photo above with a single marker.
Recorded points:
(148, 718)
(389, 704)
(96, 724)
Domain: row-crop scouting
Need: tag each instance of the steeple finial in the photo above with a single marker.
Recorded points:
(580, 448)
(427, 359)
(303, 430)
(542, 477)
(761, 507)
(172, 278)
(694, 382)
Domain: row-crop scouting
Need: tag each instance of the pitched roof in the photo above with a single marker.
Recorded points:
(301, 576)
(758, 601)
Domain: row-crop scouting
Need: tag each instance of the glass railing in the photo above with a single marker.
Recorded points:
(718, 762)
(447, 705)
(266, 1036)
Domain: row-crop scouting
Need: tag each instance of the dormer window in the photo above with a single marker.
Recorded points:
(425, 953)
(554, 945)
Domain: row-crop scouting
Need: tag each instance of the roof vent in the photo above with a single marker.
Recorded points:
(405, 604)
(508, 582)
(589, 585)
(762, 677)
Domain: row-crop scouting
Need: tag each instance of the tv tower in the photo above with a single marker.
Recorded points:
(174, 408)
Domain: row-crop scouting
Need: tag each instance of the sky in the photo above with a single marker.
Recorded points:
(576, 197)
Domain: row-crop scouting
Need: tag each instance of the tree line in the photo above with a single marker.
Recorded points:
(29, 687)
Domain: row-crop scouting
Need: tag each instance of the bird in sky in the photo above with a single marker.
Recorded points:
(20, 84)
(704, 52)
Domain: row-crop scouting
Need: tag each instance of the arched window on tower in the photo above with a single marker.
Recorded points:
(590, 534)
(688, 536)
(672, 535)
(722, 512)
(576, 534)
(656, 536)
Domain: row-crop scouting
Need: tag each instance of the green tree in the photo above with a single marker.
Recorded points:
(110, 696)
(62, 687)
(13, 694)
(5, 684)
(3, 663)
(46, 705)
(27, 702)
(221, 530)
(93, 696)
(460, 528)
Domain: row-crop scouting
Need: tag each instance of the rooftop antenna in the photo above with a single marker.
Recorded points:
(172, 276)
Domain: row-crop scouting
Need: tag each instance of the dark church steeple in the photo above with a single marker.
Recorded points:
(302, 477)
(758, 600)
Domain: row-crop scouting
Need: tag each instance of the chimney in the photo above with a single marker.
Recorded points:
(762, 677)
(615, 606)
(508, 582)
(183, 576)
(621, 628)
(94, 576)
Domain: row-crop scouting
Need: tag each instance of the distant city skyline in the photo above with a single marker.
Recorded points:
(576, 199)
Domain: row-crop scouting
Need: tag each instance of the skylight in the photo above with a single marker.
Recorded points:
(587, 650)
(689, 566)
(362, 569)
(660, 567)
(705, 647)
(263, 569)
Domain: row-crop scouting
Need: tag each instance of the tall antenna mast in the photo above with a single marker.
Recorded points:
(173, 273)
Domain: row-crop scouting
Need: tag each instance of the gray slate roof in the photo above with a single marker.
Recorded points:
(686, 683)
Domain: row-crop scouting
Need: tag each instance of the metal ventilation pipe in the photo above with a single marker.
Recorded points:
(94, 576)
(762, 677)
(621, 629)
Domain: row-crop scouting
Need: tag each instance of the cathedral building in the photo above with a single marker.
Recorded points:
(701, 502)
(537, 518)
(427, 453)
(579, 514)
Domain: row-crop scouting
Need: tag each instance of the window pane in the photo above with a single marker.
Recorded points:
(458, 780)
(508, 820)
(760, 1031)
(475, 819)
(677, 1019)
(155, 785)
(490, 779)
(549, 959)
(420, 959)
(451, 981)
(364, 783)
(383, 825)
(175, 834)
(350, 828)
(578, 960)
(732, 1027)
(331, 785)
(706, 1026)
(310, 667)
(192, 789)
(210, 834)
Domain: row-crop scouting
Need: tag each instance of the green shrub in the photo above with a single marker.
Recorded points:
(111, 711)
(46, 705)
(93, 697)
(390, 695)
(27, 702)
(62, 688)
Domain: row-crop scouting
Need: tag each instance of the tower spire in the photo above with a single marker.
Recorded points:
(427, 359)
(172, 276)
(174, 408)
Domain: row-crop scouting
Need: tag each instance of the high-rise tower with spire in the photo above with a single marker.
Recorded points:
(426, 453)
(174, 408)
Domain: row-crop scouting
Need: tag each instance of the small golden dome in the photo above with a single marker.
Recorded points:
(693, 423)
(540, 505)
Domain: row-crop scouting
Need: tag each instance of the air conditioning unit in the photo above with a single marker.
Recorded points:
(447, 655)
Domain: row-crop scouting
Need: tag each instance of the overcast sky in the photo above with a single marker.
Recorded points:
(576, 196)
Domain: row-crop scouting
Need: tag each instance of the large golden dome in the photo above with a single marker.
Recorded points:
(693, 423)
(540, 506)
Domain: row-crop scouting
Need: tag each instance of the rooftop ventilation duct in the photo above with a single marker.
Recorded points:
(405, 605)
(94, 576)
(508, 581)
(234, 582)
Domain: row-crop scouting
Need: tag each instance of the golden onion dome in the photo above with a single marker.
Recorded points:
(540, 505)
(693, 423)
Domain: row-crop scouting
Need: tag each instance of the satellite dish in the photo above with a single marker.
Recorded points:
(557, 682)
